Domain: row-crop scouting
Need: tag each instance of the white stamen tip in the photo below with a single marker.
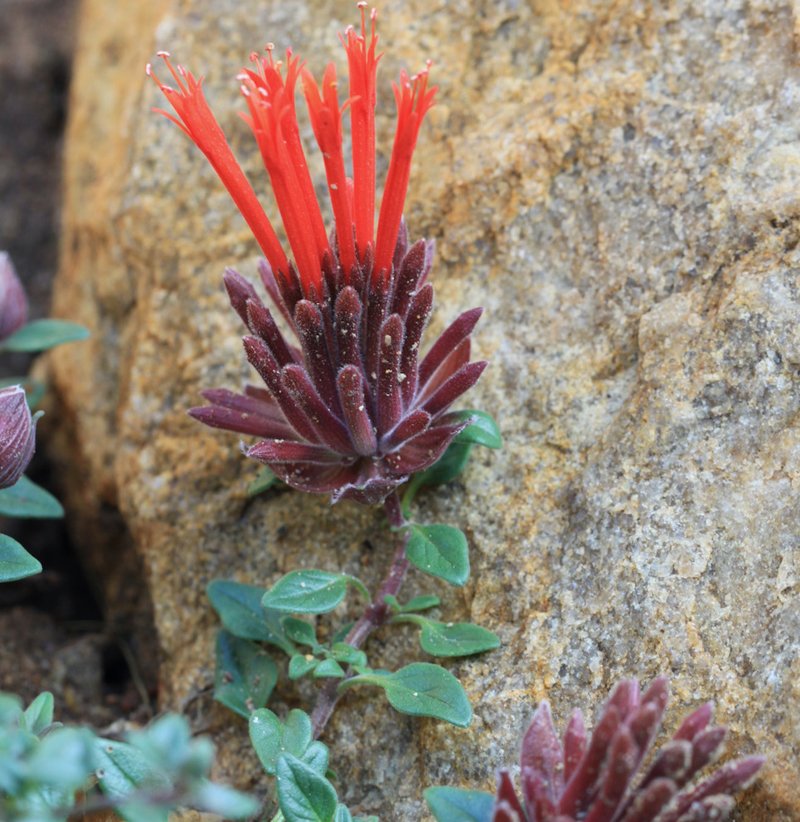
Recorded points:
(269, 47)
(241, 77)
(362, 4)
(164, 54)
(148, 70)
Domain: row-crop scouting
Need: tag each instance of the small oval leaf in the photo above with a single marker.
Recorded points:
(123, 769)
(271, 737)
(458, 805)
(39, 714)
(328, 668)
(300, 665)
(15, 561)
(482, 429)
(245, 674)
(306, 592)
(29, 500)
(40, 335)
(451, 639)
(265, 480)
(441, 551)
(304, 795)
(422, 689)
(239, 608)
(421, 603)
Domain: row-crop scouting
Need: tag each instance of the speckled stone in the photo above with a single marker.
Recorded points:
(619, 185)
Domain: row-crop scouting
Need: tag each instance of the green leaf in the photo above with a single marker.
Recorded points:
(240, 610)
(328, 668)
(271, 737)
(316, 757)
(441, 551)
(422, 603)
(265, 480)
(245, 674)
(340, 634)
(39, 714)
(342, 814)
(301, 664)
(482, 430)
(451, 639)
(447, 468)
(421, 689)
(64, 760)
(304, 795)
(123, 769)
(458, 805)
(306, 592)
(223, 801)
(15, 561)
(300, 631)
(40, 335)
(27, 499)
(342, 652)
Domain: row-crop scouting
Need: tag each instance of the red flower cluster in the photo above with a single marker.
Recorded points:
(591, 777)
(352, 410)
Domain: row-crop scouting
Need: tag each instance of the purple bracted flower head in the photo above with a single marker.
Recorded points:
(13, 302)
(17, 435)
(595, 778)
(350, 409)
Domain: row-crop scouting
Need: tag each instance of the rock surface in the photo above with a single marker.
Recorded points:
(618, 184)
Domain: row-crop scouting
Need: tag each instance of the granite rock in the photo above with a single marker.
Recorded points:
(617, 183)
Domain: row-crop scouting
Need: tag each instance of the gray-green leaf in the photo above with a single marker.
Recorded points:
(451, 639)
(300, 631)
(41, 335)
(441, 551)
(265, 480)
(240, 610)
(224, 801)
(15, 561)
(123, 769)
(422, 689)
(301, 664)
(328, 668)
(39, 714)
(29, 500)
(482, 430)
(271, 737)
(245, 674)
(306, 592)
(458, 805)
(304, 795)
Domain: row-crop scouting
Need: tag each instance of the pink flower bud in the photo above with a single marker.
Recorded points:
(17, 434)
(13, 302)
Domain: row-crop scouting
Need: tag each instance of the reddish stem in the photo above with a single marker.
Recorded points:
(375, 614)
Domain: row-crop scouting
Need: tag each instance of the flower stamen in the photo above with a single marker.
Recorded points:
(197, 121)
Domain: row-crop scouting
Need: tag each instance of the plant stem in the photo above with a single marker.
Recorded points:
(375, 614)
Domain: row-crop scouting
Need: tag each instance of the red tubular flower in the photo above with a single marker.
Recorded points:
(590, 777)
(351, 409)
